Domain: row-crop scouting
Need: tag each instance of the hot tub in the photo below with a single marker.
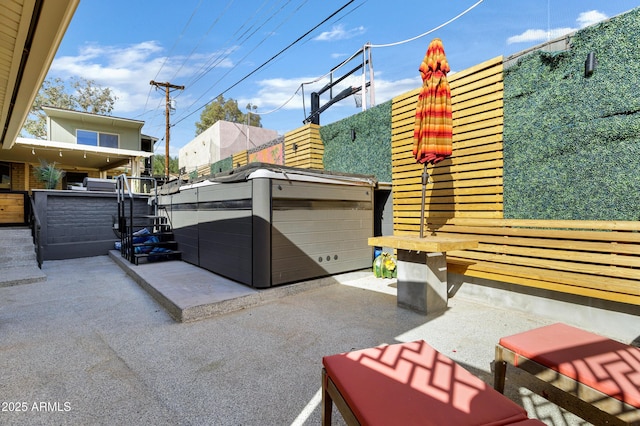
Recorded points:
(264, 225)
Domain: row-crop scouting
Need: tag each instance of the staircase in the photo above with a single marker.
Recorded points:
(18, 262)
(143, 237)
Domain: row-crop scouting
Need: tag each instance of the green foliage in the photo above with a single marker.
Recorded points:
(223, 165)
(227, 110)
(369, 153)
(158, 165)
(572, 144)
(48, 174)
(81, 95)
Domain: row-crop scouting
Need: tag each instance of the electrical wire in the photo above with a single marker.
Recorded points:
(213, 24)
(270, 59)
(214, 62)
(455, 18)
(369, 45)
(184, 29)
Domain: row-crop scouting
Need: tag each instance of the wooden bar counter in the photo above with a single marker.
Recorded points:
(422, 268)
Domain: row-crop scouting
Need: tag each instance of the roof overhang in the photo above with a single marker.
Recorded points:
(90, 118)
(71, 156)
(32, 32)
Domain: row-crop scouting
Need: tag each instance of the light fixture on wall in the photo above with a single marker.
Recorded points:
(33, 151)
(60, 152)
(590, 64)
(85, 155)
(107, 159)
(295, 147)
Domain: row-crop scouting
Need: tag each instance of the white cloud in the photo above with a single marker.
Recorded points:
(281, 93)
(539, 35)
(127, 70)
(338, 32)
(585, 19)
(591, 17)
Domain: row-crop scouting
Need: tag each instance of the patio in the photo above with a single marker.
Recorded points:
(95, 348)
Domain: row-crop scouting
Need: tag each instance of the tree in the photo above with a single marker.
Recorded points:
(158, 165)
(227, 110)
(82, 95)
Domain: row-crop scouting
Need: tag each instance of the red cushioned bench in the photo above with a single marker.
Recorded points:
(596, 378)
(411, 384)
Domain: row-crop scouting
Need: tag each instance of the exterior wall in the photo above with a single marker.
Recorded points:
(222, 140)
(64, 130)
(469, 183)
(304, 148)
(78, 224)
(20, 177)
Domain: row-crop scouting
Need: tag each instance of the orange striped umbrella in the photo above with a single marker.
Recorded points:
(433, 127)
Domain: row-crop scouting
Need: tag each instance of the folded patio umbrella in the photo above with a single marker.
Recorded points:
(433, 126)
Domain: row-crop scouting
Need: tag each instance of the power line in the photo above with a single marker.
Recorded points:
(213, 24)
(455, 18)
(270, 59)
(173, 47)
(204, 93)
(369, 45)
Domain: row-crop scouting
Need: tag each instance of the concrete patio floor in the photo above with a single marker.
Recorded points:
(90, 346)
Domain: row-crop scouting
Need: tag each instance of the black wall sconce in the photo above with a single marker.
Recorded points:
(295, 147)
(353, 135)
(590, 64)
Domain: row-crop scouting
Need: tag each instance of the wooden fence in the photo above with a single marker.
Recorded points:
(599, 259)
(303, 147)
(469, 183)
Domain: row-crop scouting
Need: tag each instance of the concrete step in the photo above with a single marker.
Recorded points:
(16, 249)
(21, 275)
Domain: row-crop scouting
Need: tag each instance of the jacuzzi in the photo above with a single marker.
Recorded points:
(265, 225)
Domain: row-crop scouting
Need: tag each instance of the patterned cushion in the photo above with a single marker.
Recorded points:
(413, 384)
(609, 366)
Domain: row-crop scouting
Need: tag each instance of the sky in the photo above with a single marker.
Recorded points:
(274, 53)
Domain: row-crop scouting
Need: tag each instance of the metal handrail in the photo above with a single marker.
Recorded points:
(126, 232)
(35, 225)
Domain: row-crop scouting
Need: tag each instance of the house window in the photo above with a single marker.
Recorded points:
(5, 177)
(106, 140)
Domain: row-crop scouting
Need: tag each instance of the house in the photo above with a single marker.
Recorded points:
(83, 145)
(32, 32)
(220, 141)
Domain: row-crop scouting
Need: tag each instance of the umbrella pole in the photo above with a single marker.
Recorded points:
(425, 179)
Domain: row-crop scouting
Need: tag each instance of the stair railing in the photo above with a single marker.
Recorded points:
(35, 225)
(125, 218)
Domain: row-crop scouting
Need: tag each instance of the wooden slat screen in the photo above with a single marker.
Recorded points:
(303, 147)
(598, 259)
(469, 183)
(240, 158)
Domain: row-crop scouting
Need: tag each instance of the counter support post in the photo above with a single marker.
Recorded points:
(422, 281)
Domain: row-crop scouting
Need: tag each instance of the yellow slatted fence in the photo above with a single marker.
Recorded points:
(303, 147)
(240, 158)
(469, 183)
(599, 259)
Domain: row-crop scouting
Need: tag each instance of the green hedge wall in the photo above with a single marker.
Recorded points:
(369, 153)
(223, 165)
(572, 144)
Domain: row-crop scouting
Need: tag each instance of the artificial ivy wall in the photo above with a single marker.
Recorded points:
(369, 153)
(572, 143)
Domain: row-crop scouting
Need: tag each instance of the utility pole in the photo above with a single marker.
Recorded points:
(167, 86)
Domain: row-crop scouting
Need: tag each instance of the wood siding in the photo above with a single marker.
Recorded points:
(12, 208)
(240, 159)
(599, 259)
(469, 183)
(303, 147)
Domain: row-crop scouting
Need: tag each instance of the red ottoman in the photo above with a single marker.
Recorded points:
(410, 384)
(595, 377)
